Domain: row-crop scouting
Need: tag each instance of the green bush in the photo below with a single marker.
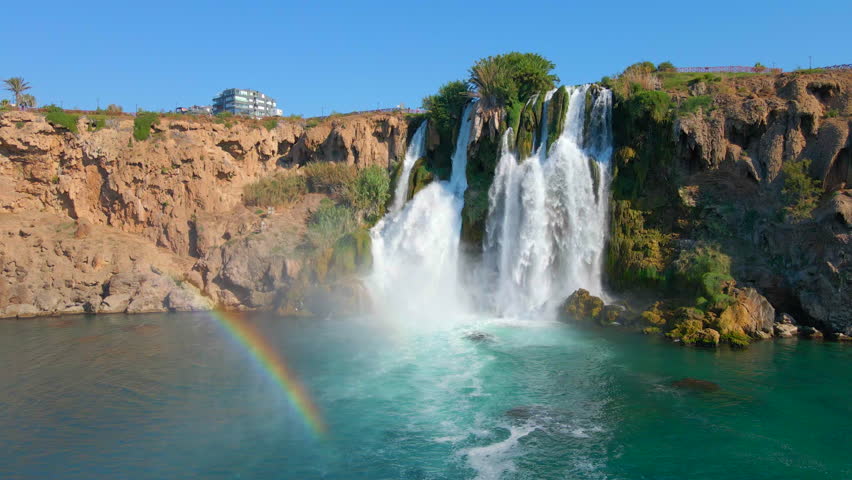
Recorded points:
(328, 223)
(270, 123)
(665, 67)
(142, 124)
(832, 113)
(278, 189)
(705, 272)
(691, 104)
(57, 117)
(446, 106)
(369, 192)
(801, 191)
(329, 177)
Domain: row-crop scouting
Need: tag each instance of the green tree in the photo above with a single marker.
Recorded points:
(446, 106)
(510, 78)
(801, 191)
(17, 86)
(27, 100)
(666, 67)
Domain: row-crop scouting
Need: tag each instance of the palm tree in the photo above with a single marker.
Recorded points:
(27, 100)
(17, 86)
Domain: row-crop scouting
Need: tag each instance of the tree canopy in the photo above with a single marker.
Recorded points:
(512, 77)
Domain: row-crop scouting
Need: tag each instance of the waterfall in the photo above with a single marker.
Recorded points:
(416, 151)
(415, 249)
(547, 221)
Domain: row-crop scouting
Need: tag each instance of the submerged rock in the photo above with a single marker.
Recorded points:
(696, 385)
(480, 337)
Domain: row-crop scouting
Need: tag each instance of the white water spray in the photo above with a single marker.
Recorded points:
(415, 249)
(416, 151)
(547, 222)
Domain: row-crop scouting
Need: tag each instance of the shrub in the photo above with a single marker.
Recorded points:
(270, 123)
(278, 189)
(666, 67)
(832, 113)
(691, 104)
(446, 106)
(636, 78)
(142, 124)
(114, 109)
(705, 272)
(801, 191)
(56, 116)
(369, 192)
(329, 177)
(328, 223)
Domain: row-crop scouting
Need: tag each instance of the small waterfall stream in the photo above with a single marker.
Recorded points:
(416, 151)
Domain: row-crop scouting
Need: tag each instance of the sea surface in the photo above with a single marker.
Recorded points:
(177, 396)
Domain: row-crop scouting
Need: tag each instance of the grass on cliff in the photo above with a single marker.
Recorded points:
(58, 117)
(369, 192)
(328, 223)
(142, 124)
(275, 190)
(331, 178)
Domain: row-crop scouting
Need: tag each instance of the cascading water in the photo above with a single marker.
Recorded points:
(547, 222)
(415, 249)
(416, 150)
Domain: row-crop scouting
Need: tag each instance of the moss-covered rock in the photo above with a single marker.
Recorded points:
(655, 316)
(418, 179)
(636, 256)
(612, 315)
(582, 306)
(557, 108)
(750, 316)
(529, 127)
(352, 254)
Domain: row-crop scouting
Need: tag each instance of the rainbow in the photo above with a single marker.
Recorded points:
(273, 364)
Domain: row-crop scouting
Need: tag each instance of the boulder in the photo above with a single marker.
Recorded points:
(186, 300)
(115, 303)
(786, 330)
(582, 306)
(613, 315)
(751, 314)
(810, 332)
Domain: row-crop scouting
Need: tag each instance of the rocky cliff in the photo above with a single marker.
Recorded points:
(706, 172)
(91, 220)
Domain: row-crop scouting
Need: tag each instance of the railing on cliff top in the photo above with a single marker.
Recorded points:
(378, 110)
(842, 66)
(728, 69)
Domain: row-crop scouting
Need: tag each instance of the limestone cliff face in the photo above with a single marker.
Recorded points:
(179, 191)
(714, 174)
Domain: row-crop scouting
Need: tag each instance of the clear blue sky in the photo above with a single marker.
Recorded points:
(315, 56)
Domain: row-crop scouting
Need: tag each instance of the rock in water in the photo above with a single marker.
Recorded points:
(480, 337)
(582, 305)
(696, 385)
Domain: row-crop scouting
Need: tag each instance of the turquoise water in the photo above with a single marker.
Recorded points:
(173, 396)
